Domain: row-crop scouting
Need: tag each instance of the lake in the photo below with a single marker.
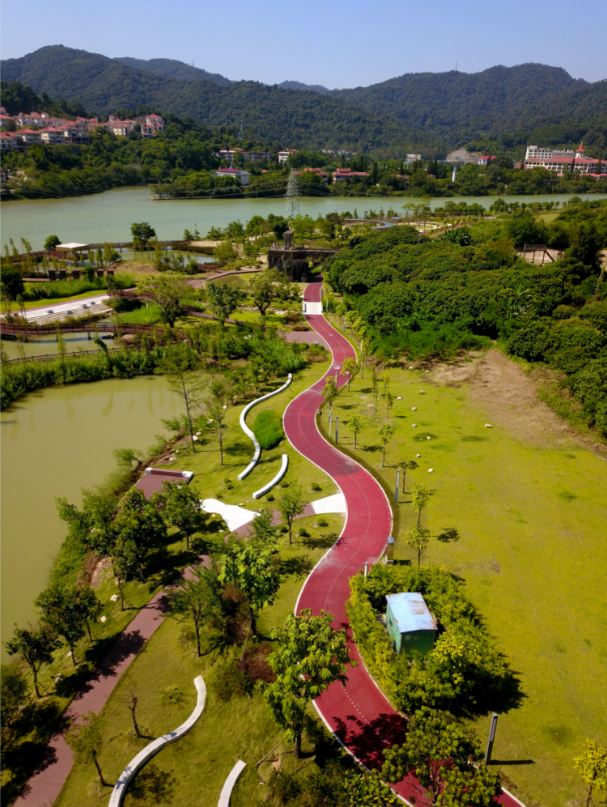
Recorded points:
(54, 443)
(108, 216)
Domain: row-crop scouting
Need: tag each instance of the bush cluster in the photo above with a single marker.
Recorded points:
(464, 673)
(268, 430)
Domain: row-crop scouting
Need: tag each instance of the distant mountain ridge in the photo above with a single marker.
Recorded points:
(172, 68)
(429, 112)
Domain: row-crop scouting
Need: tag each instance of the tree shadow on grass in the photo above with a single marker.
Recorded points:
(300, 567)
(153, 786)
(372, 447)
(240, 447)
(323, 541)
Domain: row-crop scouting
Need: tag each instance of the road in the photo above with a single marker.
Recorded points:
(359, 715)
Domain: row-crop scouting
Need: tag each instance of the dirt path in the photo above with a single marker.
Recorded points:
(510, 399)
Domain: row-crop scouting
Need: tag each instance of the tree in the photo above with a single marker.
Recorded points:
(52, 241)
(86, 741)
(421, 499)
(216, 406)
(67, 611)
(358, 788)
(93, 525)
(438, 749)
(168, 291)
(125, 457)
(14, 695)
(36, 648)
(263, 290)
(356, 426)
(141, 531)
(407, 465)
(250, 565)
(197, 598)
(309, 656)
(418, 538)
(330, 391)
(592, 765)
(184, 381)
(291, 504)
(348, 368)
(223, 300)
(182, 509)
(262, 527)
(12, 282)
(385, 435)
(143, 233)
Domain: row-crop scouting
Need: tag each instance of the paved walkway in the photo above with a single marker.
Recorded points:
(359, 715)
(45, 785)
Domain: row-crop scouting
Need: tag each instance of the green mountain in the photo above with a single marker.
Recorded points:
(501, 108)
(172, 68)
(289, 117)
(455, 102)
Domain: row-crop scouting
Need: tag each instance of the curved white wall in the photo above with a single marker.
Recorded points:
(226, 790)
(154, 747)
(266, 488)
(249, 433)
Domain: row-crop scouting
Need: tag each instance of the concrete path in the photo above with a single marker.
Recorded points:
(45, 785)
(62, 308)
(359, 715)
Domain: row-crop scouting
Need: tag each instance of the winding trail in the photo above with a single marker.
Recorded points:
(359, 715)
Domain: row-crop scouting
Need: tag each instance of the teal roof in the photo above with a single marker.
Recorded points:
(410, 612)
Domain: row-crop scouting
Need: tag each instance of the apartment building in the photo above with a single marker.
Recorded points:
(562, 162)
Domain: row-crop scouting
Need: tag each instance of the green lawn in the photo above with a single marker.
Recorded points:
(533, 553)
(243, 727)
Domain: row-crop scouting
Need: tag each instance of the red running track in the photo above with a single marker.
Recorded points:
(359, 715)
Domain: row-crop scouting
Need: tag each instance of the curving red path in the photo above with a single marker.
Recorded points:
(358, 715)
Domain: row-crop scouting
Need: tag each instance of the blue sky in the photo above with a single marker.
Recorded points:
(338, 44)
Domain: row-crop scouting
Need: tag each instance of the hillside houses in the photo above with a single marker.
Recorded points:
(55, 131)
(563, 162)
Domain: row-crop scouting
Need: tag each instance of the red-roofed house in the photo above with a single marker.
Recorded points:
(155, 121)
(341, 174)
(52, 136)
(237, 173)
(29, 136)
(318, 171)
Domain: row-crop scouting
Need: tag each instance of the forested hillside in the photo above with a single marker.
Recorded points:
(432, 298)
(301, 119)
(453, 101)
(173, 68)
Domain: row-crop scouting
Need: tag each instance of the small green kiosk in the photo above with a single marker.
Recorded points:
(410, 623)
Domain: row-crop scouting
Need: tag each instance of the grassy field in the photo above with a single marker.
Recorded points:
(243, 727)
(532, 550)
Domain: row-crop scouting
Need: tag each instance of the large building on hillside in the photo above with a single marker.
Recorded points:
(562, 162)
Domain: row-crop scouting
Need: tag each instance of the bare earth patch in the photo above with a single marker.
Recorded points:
(510, 399)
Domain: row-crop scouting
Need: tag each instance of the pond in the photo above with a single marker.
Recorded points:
(55, 443)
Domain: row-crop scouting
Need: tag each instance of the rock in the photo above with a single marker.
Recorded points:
(414, 408)
(418, 455)
(410, 368)
(103, 618)
(172, 459)
(488, 426)
(195, 438)
(422, 392)
(114, 597)
(399, 397)
(430, 470)
(414, 425)
(427, 438)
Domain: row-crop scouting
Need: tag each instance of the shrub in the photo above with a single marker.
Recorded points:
(268, 429)
(322, 522)
(229, 680)
(315, 486)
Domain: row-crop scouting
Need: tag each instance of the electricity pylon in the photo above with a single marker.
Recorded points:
(292, 195)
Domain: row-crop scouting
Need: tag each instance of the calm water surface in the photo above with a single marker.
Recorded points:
(54, 443)
(108, 216)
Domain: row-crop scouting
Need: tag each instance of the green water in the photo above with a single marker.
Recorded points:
(44, 345)
(54, 443)
(108, 216)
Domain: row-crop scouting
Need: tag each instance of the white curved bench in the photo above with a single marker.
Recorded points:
(266, 488)
(249, 433)
(228, 786)
(154, 747)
